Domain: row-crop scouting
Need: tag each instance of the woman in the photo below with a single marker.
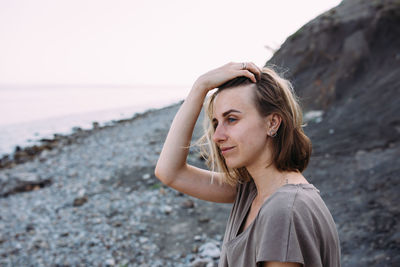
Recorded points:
(259, 148)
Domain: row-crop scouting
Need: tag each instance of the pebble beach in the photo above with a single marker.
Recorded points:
(94, 201)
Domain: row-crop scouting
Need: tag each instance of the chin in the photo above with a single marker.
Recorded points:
(233, 165)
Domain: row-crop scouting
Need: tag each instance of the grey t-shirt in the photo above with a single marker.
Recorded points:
(292, 225)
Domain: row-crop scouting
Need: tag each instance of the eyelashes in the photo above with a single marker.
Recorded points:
(229, 120)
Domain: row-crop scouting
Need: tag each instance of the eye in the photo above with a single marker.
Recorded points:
(231, 119)
(214, 125)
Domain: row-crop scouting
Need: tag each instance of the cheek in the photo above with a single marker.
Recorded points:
(253, 137)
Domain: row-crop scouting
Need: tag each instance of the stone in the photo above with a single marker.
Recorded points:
(167, 209)
(203, 220)
(313, 115)
(110, 262)
(22, 182)
(200, 262)
(198, 238)
(79, 201)
(188, 204)
(143, 239)
(210, 250)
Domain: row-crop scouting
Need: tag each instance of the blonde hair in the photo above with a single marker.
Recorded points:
(273, 94)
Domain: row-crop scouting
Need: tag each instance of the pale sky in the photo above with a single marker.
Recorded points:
(152, 42)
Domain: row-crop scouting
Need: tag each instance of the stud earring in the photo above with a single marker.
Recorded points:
(272, 134)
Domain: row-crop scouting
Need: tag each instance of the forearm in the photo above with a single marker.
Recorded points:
(176, 147)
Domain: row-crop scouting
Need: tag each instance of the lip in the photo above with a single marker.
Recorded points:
(225, 150)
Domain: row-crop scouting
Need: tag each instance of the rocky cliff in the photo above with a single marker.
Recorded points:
(345, 64)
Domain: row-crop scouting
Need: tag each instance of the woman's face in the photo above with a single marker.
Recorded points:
(240, 131)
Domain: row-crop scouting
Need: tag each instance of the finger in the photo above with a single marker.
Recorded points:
(254, 69)
(241, 65)
(249, 75)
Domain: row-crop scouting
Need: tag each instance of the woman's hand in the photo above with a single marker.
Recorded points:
(227, 72)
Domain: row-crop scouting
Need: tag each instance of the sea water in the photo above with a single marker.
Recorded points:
(30, 113)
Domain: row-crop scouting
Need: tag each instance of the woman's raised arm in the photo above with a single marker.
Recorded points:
(172, 168)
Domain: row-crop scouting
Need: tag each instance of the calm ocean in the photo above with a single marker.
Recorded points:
(28, 114)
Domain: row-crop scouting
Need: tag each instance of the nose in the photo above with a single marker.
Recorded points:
(219, 134)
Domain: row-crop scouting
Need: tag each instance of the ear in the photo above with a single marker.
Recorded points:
(274, 120)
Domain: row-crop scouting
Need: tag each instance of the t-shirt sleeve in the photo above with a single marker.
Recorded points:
(278, 237)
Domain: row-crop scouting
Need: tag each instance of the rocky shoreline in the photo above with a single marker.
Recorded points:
(92, 200)
(24, 154)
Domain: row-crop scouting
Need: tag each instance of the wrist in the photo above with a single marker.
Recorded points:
(198, 90)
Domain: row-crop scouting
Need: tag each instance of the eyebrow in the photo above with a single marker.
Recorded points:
(226, 113)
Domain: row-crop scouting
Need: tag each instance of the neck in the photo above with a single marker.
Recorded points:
(268, 180)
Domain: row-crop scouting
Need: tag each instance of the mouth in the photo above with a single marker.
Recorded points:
(225, 150)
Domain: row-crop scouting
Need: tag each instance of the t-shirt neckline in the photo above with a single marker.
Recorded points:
(253, 195)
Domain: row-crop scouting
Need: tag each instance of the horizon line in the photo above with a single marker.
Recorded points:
(86, 85)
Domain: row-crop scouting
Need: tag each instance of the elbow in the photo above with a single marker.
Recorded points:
(162, 175)
(166, 174)
(158, 173)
